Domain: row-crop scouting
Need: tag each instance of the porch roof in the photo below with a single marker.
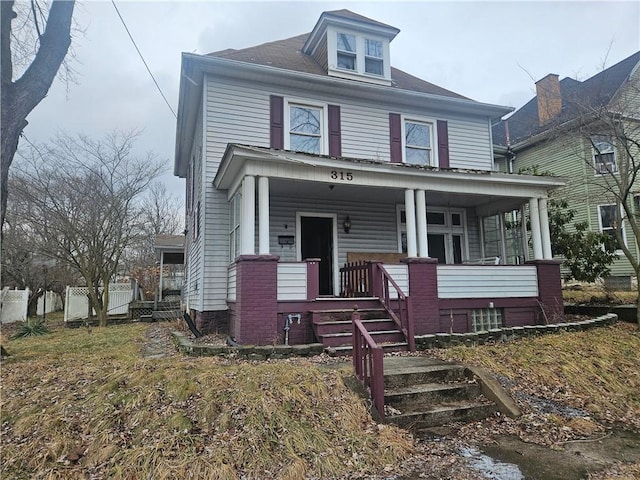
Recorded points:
(507, 190)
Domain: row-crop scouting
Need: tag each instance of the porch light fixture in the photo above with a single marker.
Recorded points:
(346, 224)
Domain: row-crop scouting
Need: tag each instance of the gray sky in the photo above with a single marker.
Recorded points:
(489, 51)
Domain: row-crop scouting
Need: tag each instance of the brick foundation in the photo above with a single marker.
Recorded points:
(423, 281)
(212, 321)
(549, 290)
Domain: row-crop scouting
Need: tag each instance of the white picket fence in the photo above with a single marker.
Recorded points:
(77, 303)
(14, 306)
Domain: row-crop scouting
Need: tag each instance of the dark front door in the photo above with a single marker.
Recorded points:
(317, 242)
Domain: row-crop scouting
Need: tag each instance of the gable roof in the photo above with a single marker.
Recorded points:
(595, 91)
(287, 54)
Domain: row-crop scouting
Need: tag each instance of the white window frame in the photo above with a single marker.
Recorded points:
(360, 70)
(433, 124)
(235, 214)
(603, 229)
(353, 53)
(324, 121)
(448, 230)
(380, 59)
(595, 153)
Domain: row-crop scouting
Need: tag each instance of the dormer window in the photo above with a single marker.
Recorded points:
(346, 51)
(373, 60)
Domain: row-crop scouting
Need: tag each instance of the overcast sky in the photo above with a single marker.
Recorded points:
(489, 51)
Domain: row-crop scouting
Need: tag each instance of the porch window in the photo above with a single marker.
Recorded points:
(609, 218)
(305, 128)
(235, 206)
(445, 235)
(604, 157)
(484, 319)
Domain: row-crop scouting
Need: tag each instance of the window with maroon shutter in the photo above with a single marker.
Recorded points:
(276, 118)
(395, 137)
(335, 134)
(443, 144)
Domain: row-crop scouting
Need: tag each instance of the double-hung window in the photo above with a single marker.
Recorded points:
(604, 157)
(305, 128)
(418, 143)
(609, 217)
(346, 47)
(373, 57)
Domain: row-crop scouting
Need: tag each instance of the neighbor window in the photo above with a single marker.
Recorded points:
(604, 157)
(305, 128)
(609, 218)
(418, 143)
(346, 51)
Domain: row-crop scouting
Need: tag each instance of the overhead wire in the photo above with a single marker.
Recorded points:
(142, 58)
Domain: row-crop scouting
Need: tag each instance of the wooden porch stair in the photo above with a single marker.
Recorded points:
(333, 328)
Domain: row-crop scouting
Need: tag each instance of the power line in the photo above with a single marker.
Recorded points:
(142, 58)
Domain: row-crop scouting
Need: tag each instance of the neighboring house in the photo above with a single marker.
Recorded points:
(558, 131)
(305, 153)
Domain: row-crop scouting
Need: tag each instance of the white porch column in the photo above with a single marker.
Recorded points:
(410, 219)
(160, 287)
(263, 215)
(421, 214)
(248, 220)
(544, 229)
(534, 219)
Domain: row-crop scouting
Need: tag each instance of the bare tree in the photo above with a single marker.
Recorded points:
(82, 196)
(19, 97)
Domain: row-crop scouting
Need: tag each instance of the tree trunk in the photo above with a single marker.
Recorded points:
(19, 98)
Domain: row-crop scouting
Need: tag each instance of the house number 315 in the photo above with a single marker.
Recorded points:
(340, 175)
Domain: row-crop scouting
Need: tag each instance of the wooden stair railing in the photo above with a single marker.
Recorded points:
(368, 362)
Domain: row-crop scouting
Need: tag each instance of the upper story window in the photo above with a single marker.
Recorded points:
(305, 128)
(346, 47)
(604, 157)
(418, 143)
(373, 60)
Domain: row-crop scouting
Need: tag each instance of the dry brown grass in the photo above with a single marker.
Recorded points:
(82, 402)
(597, 294)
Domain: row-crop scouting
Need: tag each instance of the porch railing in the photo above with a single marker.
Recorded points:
(400, 308)
(355, 279)
(368, 362)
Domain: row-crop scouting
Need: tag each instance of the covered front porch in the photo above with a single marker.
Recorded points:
(436, 238)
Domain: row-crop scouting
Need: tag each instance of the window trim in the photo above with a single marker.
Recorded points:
(602, 229)
(594, 153)
(324, 121)
(433, 124)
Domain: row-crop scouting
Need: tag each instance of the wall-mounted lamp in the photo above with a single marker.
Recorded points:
(346, 224)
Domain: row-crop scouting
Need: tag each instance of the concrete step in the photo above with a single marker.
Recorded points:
(425, 396)
(344, 326)
(427, 374)
(379, 336)
(344, 315)
(460, 411)
(348, 350)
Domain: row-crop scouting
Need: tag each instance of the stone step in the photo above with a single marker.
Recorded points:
(460, 411)
(427, 374)
(344, 326)
(424, 396)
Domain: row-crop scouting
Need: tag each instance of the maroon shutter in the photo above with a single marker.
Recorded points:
(443, 144)
(395, 137)
(335, 135)
(276, 118)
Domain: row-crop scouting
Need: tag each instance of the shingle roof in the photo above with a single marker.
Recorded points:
(595, 91)
(354, 16)
(287, 54)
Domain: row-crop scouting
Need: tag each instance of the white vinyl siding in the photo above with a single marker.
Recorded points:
(232, 277)
(292, 281)
(400, 275)
(464, 281)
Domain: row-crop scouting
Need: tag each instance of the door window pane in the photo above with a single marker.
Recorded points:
(436, 245)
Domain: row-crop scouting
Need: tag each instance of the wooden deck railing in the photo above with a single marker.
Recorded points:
(399, 308)
(355, 279)
(368, 363)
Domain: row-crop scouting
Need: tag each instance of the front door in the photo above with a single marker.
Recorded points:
(317, 242)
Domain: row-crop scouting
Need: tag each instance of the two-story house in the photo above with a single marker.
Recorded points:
(588, 132)
(303, 154)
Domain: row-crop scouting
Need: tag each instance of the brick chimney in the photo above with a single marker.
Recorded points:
(549, 98)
